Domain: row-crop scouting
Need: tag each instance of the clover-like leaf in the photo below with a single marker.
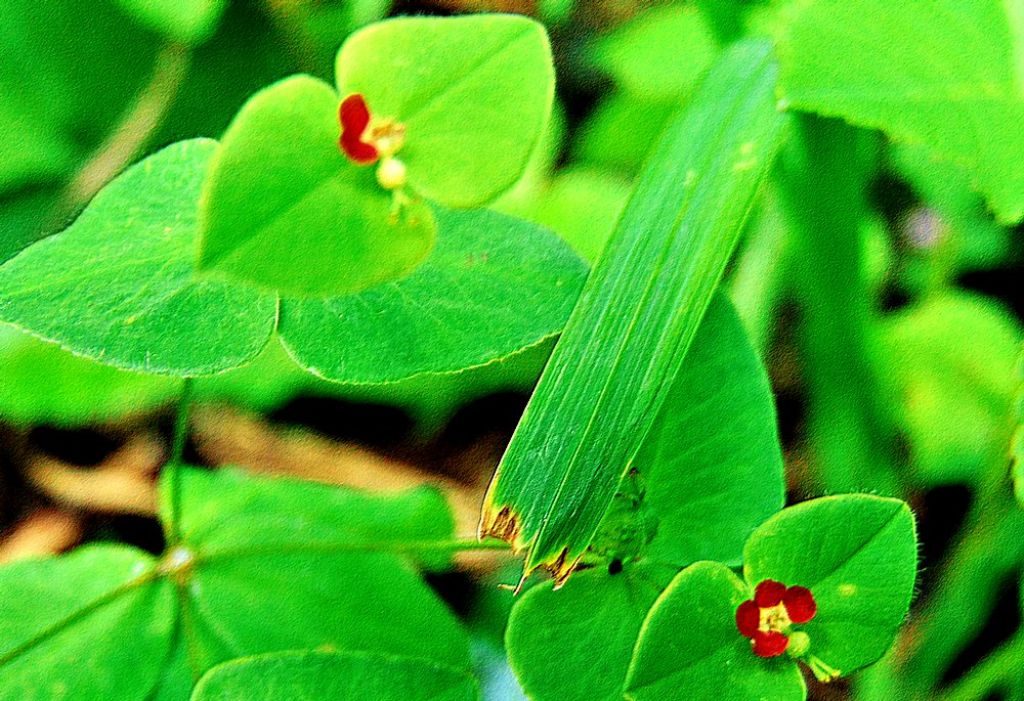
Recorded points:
(314, 566)
(689, 648)
(951, 360)
(857, 554)
(712, 464)
(71, 625)
(340, 676)
(593, 622)
(119, 285)
(283, 208)
(473, 94)
(493, 285)
(959, 89)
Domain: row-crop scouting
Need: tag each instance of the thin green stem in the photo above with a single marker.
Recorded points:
(409, 548)
(173, 465)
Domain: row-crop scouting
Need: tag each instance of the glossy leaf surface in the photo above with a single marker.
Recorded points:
(493, 285)
(340, 676)
(283, 208)
(119, 285)
(474, 94)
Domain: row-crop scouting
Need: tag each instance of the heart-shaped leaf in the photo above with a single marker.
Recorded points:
(262, 566)
(48, 605)
(951, 361)
(712, 464)
(959, 88)
(857, 554)
(473, 93)
(119, 285)
(285, 209)
(492, 286)
(346, 676)
(592, 622)
(689, 648)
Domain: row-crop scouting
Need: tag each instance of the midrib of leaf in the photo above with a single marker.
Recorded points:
(255, 235)
(463, 77)
(557, 479)
(78, 615)
(388, 547)
(845, 563)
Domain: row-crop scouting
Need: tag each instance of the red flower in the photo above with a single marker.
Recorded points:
(768, 619)
(355, 118)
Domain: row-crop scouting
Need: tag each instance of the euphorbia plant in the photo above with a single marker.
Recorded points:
(348, 228)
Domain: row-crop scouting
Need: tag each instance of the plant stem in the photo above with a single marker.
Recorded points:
(130, 135)
(852, 436)
(177, 458)
(452, 546)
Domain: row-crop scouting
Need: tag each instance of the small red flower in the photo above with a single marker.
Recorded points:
(768, 619)
(355, 118)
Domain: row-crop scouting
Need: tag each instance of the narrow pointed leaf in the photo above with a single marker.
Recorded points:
(637, 315)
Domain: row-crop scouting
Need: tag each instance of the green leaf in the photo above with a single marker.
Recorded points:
(418, 517)
(712, 464)
(118, 286)
(582, 205)
(72, 626)
(575, 644)
(474, 94)
(323, 578)
(263, 566)
(285, 209)
(661, 54)
(189, 21)
(858, 556)
(621, 131)
(465, 306)
(951, 360)
(36, 154)
(348, 676)
(43, 383)
(638, 313)
(689, 648)
(958, 89)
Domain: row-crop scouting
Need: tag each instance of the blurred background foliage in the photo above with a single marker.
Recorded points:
(886, 301)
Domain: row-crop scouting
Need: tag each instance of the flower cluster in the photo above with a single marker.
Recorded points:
(366, 140)
(769, 618)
